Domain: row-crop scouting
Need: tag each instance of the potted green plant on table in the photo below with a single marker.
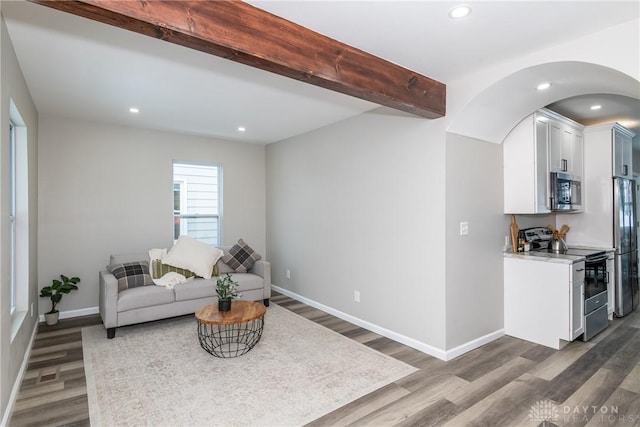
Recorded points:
(55, 292)
(226, 289)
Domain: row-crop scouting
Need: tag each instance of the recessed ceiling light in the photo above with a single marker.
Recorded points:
(459, 12)
(596, 107)
(134, 110)
(241, 128)
(543, 86)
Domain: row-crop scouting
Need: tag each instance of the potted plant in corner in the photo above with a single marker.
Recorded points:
(54, 292)
(226, 290)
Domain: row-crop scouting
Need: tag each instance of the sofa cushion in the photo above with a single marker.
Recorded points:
(241, 257)
(193, 255)
(195, 289)
(145, 296)
(223, 268)
(201, 288)
(248, 281)
(131, 274)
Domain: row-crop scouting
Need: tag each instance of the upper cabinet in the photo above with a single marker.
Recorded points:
(622, 152)
(611, 152)
(543, 142)
(526, 166)
(565, 146)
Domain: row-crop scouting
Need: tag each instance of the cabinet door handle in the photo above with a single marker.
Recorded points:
(564, 165)
(580, 269)
(625, 170)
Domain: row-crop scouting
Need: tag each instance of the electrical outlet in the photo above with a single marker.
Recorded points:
(356, 296)
(464, 228)
(288, 274)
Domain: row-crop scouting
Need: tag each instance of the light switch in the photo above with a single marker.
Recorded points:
(464, 228)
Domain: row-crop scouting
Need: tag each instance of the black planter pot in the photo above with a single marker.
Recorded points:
(224, 305)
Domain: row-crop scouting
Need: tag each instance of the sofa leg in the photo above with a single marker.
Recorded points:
(266, 302)
(111, 332)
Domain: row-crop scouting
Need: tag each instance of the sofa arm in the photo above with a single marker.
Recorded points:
(263, 269)
(108, 299)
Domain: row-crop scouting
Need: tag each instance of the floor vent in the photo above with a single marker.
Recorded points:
(50, 373)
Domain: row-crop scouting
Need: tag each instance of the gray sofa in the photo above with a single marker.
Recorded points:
(147, 303)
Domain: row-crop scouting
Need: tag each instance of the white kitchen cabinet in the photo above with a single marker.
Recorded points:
(577, 300)
(543, 300)
(565, 146)
(526, 167)
(622, 152)
(541, 143)
(578, 154)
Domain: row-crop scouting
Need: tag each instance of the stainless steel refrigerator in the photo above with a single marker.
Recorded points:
(625, 244)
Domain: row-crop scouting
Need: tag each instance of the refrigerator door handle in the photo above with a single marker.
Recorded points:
(616, 214)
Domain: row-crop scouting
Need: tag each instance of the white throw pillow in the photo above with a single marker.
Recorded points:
(193, 255)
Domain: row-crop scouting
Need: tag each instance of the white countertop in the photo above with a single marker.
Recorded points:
(552, 257)
(544, 257)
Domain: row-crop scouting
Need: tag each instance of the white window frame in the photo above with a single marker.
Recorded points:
(19, 182)
(184, 198)
(12, 214)
(183, 202)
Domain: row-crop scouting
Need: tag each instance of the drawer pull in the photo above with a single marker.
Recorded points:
(580, 269)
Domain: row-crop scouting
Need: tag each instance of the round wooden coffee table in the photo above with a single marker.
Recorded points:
(230, 333)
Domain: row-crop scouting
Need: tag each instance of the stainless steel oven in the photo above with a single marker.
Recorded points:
(596, 278)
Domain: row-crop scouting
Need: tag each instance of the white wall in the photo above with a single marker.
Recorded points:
(474, 277)
(106, 189)
(13, 87)
(359, 205)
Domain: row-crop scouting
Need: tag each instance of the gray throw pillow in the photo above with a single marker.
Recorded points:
(241, 257)
(131, 274)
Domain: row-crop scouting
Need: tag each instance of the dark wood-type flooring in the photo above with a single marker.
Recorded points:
(508, 382)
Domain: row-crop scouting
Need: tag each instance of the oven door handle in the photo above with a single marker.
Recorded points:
(598, 259)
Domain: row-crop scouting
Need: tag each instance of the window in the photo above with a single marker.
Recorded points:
(12, 213)
(197, 201)
(18, 219)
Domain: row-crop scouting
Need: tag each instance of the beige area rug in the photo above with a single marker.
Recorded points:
(156, 374)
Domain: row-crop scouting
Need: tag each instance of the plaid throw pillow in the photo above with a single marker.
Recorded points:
(131, 274)
(241, 257)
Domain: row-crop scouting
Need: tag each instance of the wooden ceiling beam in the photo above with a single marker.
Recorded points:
(243, 33)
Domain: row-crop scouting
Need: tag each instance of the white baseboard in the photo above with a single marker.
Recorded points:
(16, 386)
(473, 344)
(418, 345)
(425, 348)
(75, 313)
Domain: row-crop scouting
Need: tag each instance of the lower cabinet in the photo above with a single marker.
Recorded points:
(577, 308)
(543, 300)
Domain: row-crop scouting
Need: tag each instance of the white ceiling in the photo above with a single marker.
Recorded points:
(79, 68)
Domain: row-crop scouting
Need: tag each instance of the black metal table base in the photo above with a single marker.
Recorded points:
(230, 340)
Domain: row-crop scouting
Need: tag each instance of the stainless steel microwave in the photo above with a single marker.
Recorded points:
(565, 192)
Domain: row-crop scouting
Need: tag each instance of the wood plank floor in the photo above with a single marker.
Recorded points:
(508, 382)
